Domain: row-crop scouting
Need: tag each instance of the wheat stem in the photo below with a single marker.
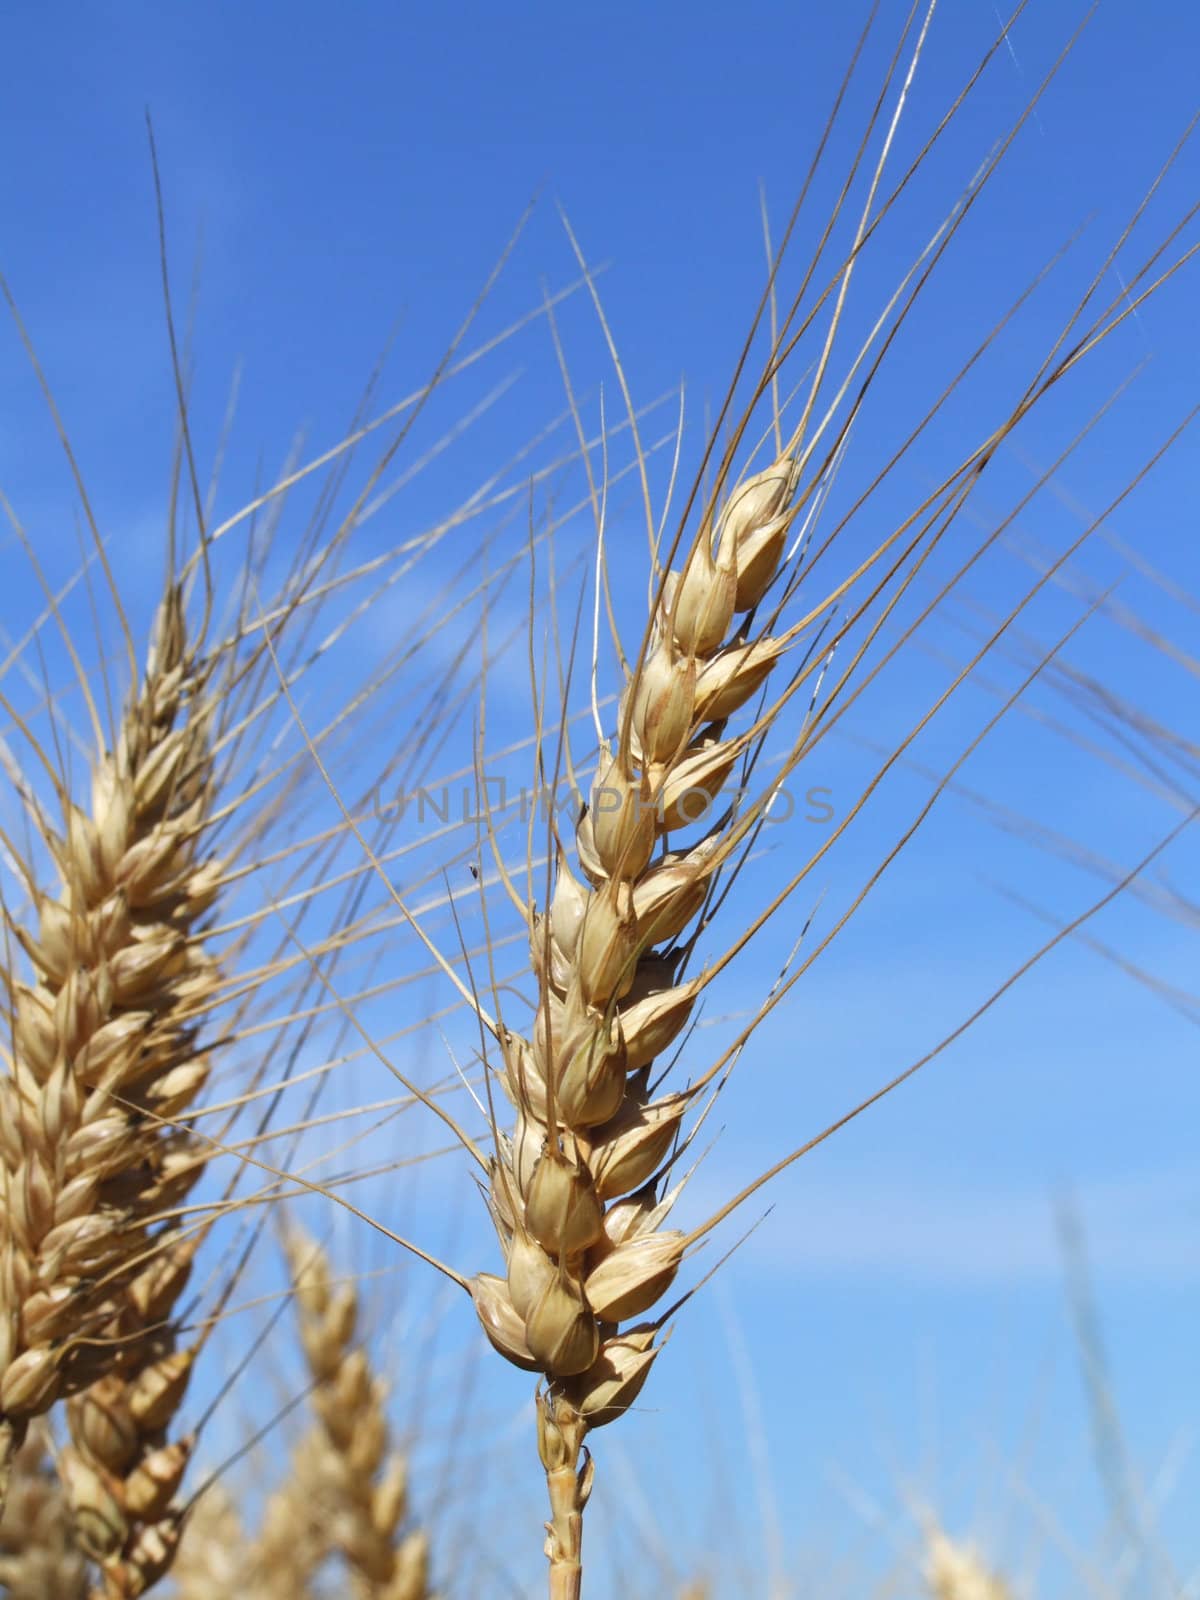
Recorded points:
(561, 1432)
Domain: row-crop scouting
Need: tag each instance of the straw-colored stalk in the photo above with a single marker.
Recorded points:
(576, 1191)
(39, 1559)
(360, 1483)
(955, 1571)
(103, 1059)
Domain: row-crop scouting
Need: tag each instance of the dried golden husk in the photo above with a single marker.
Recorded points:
(629, 1149)
(498, 1317)
(690, 789)
(622, 817)
(634, 1275)
(662, 699)
(560, 1329)
(530, 1270)
(701, 600)
(725, 683)
(562, 1209)
(614, 1380)
(608, 947)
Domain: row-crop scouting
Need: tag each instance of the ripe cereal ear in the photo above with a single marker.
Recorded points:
(360, 1480)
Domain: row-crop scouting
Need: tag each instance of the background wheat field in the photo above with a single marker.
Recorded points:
(384, 342)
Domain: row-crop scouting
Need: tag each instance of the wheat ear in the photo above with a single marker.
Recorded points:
(292, 1539)
(575, 1193)
(362, 1485)
(39, 1559)
(123, 1468)
(103, 1058)
(956, 1571)
(213, 1549)
(217, 1557)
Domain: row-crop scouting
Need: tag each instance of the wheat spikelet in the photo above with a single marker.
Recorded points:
(103, 1055)
(39, 1559)
(955, 1571)
(360, 1490)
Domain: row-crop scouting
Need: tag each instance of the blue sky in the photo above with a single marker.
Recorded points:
(349, 175)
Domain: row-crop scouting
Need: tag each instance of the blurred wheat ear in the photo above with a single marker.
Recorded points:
(956, 1571)
(361, 1482)
(344, 1495)
(213, 1554)
(39, 1559)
